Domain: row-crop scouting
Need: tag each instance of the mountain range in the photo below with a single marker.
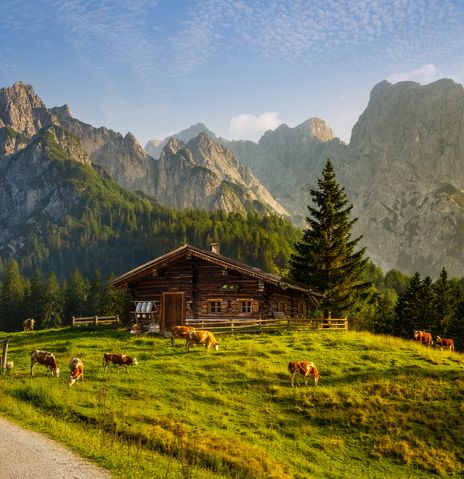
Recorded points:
(72, 195)
(401, 170)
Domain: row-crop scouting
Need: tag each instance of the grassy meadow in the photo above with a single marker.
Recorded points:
(384, 407)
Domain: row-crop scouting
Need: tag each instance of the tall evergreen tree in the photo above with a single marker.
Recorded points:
(325, 258)
(76, 294)
(446, 299)
(35, 297)
(53, 303)
(408, 313)
(12, 299)
(96, 293)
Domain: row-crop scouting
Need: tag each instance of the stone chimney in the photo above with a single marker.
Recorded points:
(216, 248)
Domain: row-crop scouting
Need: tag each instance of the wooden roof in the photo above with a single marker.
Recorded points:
(146, 269)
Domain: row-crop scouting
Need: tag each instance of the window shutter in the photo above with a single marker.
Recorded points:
(254, 306)
(224, 306)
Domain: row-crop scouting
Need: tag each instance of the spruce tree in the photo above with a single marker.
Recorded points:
(325, 258)
(446, 299)
(408, 309)
(53, 302)
(12, 304)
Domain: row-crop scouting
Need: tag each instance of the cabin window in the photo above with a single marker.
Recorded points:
(215, 306)
(245, 306)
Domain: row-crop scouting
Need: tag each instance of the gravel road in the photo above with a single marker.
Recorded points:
(29, 455)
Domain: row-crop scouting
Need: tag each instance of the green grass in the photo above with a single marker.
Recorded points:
(384, 407)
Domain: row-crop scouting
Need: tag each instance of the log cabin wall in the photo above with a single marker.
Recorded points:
(212, 291)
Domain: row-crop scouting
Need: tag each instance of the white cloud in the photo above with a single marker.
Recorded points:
(250, 127)
(424, 74)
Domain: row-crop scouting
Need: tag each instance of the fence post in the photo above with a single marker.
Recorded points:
(96, 320)
(117, 319)
(232, 326)
(73, 321)
(4, 353)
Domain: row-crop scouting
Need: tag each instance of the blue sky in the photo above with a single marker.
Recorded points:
(239, 66)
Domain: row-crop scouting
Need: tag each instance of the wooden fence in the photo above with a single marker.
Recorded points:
(95, 320)
(230, 326)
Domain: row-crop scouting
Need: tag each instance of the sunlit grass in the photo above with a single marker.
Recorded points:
(384, 407)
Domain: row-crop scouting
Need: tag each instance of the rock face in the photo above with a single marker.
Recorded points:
(120, 156)
(404, 173)
(32, 190)
(285, 158)
(207, 175)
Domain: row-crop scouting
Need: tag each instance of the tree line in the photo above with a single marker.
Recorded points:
(53, 303)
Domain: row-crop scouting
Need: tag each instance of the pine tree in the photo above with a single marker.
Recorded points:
(445, 304)
(53, 302)
(12, 299)
(325, 258)
(408, 312)
(35, 298)
(76, 294)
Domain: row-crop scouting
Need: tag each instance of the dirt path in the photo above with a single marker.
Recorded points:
(29, 455)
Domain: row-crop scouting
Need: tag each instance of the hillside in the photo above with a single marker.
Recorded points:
(384, 407)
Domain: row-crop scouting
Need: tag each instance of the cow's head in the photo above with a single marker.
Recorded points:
(135, 362)
(56, 372)
(416, 334)
(216, 346)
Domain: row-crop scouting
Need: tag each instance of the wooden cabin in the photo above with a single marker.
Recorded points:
(190, 283)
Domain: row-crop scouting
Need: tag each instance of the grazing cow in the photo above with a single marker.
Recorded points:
(9, 365)
(119, 359)
(47, 359)
(305, 368)
(201, 337)
(28, 324)
(422, 336)
(76, 371)
(180, 332)
(445, 343)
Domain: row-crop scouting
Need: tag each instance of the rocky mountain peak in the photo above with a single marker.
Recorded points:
(22, 110)
(317, 129)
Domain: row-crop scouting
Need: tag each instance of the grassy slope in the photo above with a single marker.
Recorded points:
(384, 408)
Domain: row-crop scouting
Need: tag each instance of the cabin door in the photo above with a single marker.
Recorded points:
(173, 310)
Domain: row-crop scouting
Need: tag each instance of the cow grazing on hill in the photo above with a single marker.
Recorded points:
(445, 343)
(47, 359)
(76, 371)
(29, 324)
(118, 359)
(181, 332)
(305, 368)
(423, 337)
(201, 337)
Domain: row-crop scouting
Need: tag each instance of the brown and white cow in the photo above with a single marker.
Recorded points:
(45, 358)
(201, 337)
(446, 343)
(180, 332)
(28, 324)
(76, 371)
(305, 369)
(118, 359)
(423, 337)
